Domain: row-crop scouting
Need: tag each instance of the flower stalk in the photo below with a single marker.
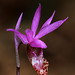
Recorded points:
(17, 63)
(17, 59)
(18, 71)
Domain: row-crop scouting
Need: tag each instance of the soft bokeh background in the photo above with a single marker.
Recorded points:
(61, 43)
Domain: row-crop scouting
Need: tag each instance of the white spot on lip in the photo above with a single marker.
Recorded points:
(34, 61)
(41, 71)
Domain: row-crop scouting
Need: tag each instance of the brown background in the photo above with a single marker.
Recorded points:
(61, 43)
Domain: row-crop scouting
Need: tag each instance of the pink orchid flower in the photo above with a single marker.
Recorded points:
(30, 37)
(35, 45)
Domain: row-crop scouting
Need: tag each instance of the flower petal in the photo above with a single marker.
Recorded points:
(50, 28)
(29, 34)
(38, 43)
(18, 22)
(22, 37)
(48, 21)
(36, 19)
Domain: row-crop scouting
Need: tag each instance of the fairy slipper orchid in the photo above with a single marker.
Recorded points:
(34, 44)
